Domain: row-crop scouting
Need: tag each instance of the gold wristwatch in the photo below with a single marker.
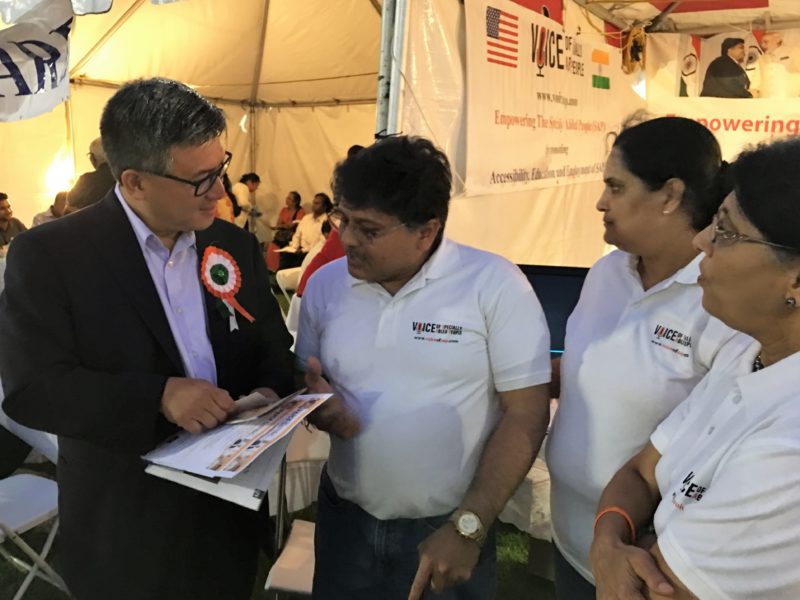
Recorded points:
(469, 526)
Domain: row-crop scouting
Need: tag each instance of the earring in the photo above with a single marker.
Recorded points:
(791, 303)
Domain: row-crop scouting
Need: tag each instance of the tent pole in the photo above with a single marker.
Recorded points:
(398, 42)
(254, 88)
(385, 67)
(101, 42)
(376, 6)
(253, 133)
(603, 13)
(71, 132)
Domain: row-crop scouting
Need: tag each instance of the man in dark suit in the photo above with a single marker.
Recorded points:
(110, 340)
(725, 77)
(91, 187)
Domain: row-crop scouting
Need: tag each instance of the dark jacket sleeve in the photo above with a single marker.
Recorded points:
(46, 387)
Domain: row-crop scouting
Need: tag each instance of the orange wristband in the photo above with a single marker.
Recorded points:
(621, 512)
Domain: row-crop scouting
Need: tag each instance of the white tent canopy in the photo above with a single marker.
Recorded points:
(297, 81)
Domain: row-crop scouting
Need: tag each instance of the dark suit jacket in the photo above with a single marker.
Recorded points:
(725, 78)
(91, 187)
(85, 353)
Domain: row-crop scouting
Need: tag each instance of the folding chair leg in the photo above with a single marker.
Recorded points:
(38, 560)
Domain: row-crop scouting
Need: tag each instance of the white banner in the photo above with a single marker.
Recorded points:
(34, 62)
(543, 107)
(736, 124)
(13, 10)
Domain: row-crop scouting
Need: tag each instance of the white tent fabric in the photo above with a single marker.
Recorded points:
(314, 94)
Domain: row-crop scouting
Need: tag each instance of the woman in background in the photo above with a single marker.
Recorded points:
(638, 340)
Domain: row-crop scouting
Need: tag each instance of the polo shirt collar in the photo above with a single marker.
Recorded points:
(684, 276)
(439, 264)
(761, 390)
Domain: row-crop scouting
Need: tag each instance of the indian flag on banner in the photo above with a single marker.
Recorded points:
(600, 59)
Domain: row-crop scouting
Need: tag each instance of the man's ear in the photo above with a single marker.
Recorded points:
(673, 189)
(133, 183)
(427, 233)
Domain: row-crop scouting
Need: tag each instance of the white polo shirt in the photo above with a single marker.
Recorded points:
(729, 520)
(421, 369)
(631, 357)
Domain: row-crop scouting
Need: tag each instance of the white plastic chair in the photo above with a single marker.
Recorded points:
(293, 570)
(27, 501)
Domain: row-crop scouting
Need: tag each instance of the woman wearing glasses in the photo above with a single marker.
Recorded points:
(720, 476)
(638, 340)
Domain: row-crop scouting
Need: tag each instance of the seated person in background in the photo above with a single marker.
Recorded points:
(9, 226)
(288, 279)
(719, 477)
(331, 250)
(287, 220)
(309, 232)
(92, 186)
(225, 204)
(55, 211)
(248, 184)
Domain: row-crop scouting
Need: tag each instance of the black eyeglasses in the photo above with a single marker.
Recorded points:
(203, 185)
(365, 235)
(720, 234)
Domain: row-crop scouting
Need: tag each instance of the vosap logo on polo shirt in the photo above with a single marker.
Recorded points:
(671, 339)
(689, 490)
(438, 329)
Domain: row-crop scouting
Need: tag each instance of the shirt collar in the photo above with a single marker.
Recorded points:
(438, 264)
(771, 385)
(685, 275)
(145, 236)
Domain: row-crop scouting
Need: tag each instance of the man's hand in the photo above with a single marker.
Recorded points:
(333, 415)
(195, 404)
(624, 572)
(445, 559)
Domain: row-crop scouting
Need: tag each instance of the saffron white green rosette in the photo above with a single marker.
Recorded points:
(222, 279)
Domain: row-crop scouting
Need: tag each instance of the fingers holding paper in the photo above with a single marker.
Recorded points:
(195, 404)
(334, 416)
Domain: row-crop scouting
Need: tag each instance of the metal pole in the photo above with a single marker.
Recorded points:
(385, 67)
(398, 43)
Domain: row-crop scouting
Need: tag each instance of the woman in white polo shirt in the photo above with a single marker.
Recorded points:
(720, 475)
(638, 340)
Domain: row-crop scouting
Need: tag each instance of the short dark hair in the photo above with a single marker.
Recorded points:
(146, 118)
(3, 196)
(729, 43)
(326, 200)
(296, 197)
(674, 147)
(766, 180)
(250, 177)
(403, 176)
(354, 149)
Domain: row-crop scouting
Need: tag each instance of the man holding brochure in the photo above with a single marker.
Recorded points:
(135, 317)
(438, 354)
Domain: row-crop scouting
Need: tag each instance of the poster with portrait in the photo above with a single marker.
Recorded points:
(744, 65)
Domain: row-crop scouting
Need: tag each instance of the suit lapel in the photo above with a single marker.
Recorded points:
(218, 325)
(119, 248)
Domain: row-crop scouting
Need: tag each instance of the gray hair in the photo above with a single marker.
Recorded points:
(96, 150)
(146, 118)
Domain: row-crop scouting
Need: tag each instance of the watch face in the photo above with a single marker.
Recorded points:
(468, 524)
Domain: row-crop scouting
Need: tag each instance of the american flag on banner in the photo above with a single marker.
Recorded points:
(502, 37)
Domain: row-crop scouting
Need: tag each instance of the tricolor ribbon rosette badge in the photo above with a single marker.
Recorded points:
(222, 278)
